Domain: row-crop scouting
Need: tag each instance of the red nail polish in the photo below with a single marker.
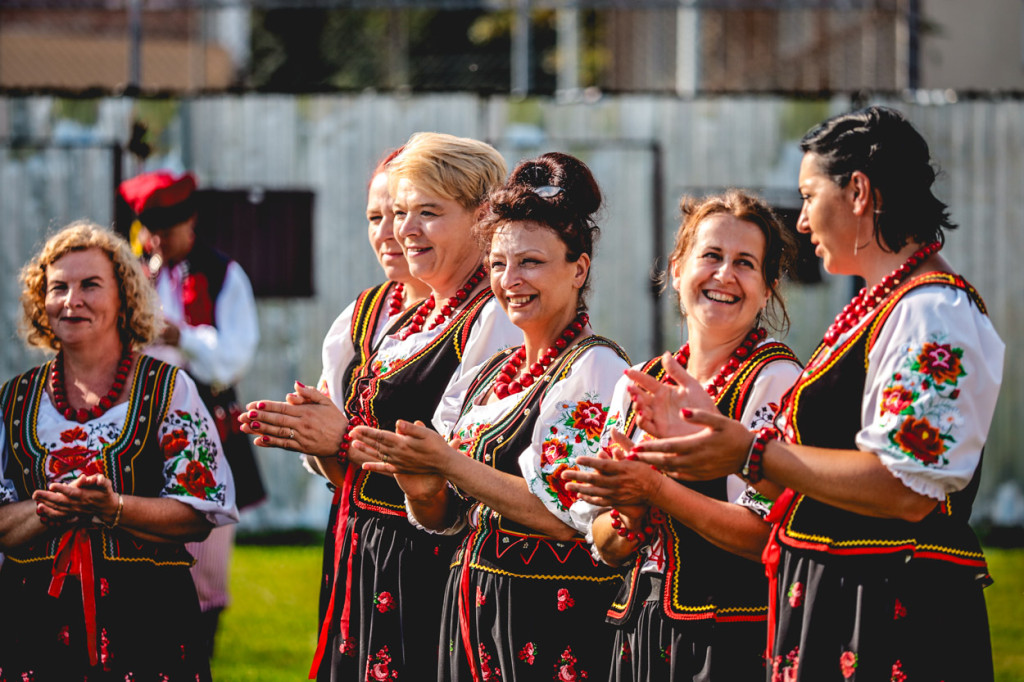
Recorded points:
(687, 413)
(266, 439)
(262, 406)
(255, 426)
(299, 383)
(252, 414)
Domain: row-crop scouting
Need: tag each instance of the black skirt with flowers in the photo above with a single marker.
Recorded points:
(146, 624)
(865, 619)
(660, 649)
(528, 608)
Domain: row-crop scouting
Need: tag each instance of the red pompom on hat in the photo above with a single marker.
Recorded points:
(157, 190)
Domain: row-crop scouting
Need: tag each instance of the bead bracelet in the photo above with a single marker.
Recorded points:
(753, 468)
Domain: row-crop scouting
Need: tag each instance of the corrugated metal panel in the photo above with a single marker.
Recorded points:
(329, 144)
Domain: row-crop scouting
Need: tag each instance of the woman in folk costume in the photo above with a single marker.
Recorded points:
(879, 442)
(390, 576)
(110, 463)
(356, 333)
(695, 603)
(525, 598)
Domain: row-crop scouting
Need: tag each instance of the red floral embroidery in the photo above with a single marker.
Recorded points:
(71, 435)
(196, 479)
(784, 668)
(557, 485)
(349, 647)
(848, 664)
(64, 635)
(105, 650)
(941, 362)
(481, 599)
(625, 653)
(920, 439)
(565, 600)
(553, 450)
(487, 673)
(589, 417)
(895, 399)
(897, 673)
(565, 669)
(104, 587)
(900, 611)
(528, 653)
(74, 458)
(796, 595)
(378, 666)
(173, 443)
(385, 602)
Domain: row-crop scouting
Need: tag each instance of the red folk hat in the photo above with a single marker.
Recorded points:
(159, 189)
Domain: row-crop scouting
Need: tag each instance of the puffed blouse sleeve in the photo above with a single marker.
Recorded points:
(933, 378)
(196, 472)
(492, 332)
(336, 355)
(571, 419)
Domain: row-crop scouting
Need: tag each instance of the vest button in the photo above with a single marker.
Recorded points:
(127, 468)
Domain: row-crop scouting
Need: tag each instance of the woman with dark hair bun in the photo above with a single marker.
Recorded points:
(525, 599)
(879, 442)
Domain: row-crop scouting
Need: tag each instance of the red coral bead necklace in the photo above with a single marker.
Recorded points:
(82, 415)
(396, 300)
(866, 300)
(507, 383)
(422, 313)
(742, 352)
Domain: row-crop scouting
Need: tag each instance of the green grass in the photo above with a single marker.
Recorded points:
(268, 633)
(1006, 612)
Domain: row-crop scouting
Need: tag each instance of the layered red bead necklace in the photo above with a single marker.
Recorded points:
(396, 300)
(507, 383)
(423, 312)
(82, 415)
(866, 301)
(742, 352)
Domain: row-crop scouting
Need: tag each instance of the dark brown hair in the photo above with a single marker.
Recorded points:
(555, 190)
(780, 245)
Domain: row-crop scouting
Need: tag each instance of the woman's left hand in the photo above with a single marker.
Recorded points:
(86, 496)
(658, 405)
(718, 447)
(615, 478)
(411, 449)
(307, 421)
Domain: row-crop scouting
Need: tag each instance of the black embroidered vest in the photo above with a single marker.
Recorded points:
(824, 409)
(408, 390)
(133, 461)
(500, 545)
(703, 581)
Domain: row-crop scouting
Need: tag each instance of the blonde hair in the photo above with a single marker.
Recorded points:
(456, 168)
(138, 322)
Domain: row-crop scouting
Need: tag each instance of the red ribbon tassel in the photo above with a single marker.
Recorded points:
(74, 558)
(771, 556)
(342, 496)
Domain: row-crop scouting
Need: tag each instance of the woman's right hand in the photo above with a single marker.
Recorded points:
(615, 479)
(410, 449)
(307, 421)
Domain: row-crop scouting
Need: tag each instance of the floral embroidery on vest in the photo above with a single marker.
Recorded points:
(577, 432)
(191, 457)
